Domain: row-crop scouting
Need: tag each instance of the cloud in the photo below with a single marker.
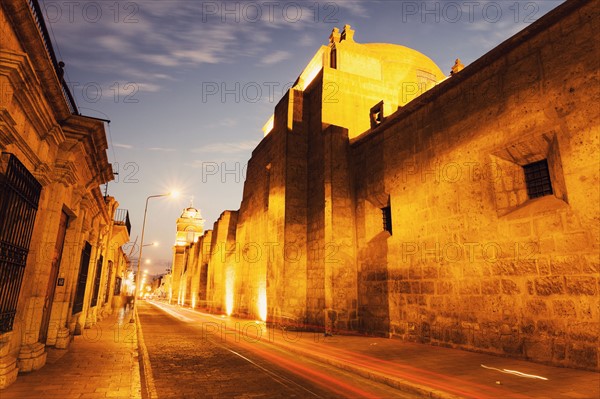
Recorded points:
(306, 41)
(225, 122)
(227, 148)
(275, 57)
(161, 149)
(148, 87)
(355, 7)
(119, 145)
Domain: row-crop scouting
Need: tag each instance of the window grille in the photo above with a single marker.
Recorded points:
(387, 218)
(84, 265)
(537, 179)
(97, 281)
(19, 199)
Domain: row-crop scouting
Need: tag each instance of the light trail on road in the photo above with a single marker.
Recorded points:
(297, 375)
(263, 344)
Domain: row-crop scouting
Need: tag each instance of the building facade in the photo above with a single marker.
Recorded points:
(389, 199)
(61, 262)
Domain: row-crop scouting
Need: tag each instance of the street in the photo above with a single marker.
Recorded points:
(189, 358)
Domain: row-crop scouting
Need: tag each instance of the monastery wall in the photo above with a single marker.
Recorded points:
(472, 261)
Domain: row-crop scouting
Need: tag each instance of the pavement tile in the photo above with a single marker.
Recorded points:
(91, 368)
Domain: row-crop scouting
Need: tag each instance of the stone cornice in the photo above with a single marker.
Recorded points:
(10, 136)
(90, 132)
(26, 89)
(65, 172)
(7, 128)
(102, 209)
(24, 25)
(43, 173)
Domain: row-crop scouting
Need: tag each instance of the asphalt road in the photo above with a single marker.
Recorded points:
(190, 358)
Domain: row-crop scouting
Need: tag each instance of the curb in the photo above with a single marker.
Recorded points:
(136, 385)
(398, 383)
(145, 368)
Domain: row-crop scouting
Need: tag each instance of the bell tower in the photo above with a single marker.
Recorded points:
(190, 226)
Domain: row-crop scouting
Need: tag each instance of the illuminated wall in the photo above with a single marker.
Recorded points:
(464, 257)
(473, 261)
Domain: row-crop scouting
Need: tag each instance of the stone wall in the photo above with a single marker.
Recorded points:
(66, 154)
(468, 259)
(472, 262)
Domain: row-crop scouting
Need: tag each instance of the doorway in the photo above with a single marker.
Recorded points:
(53, 277)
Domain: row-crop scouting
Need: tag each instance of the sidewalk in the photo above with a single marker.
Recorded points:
(100, 363)
(436, 372)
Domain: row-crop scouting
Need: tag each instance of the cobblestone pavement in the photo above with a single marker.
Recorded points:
(187, 362)
(100, 363)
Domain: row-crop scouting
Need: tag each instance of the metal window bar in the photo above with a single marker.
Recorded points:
(38, 17)
(19, 199)
(537, 179)
(97, 278)
(122, 218)
(84, 265)
(386, 213)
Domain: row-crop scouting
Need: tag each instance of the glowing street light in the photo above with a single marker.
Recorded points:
(172, 194)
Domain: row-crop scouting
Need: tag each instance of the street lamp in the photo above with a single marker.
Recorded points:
(137, 283)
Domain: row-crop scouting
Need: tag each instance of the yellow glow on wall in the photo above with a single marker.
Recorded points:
(193, 300)
(181, 300)
(312, 69)
(311, 73)
(229, 288)
(268, 126)
(262, 302)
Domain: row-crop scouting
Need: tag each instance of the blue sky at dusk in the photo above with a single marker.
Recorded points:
(188, 85)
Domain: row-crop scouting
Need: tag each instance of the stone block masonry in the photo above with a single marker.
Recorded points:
(464, 217)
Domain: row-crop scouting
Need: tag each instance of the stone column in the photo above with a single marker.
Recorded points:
(8, 363)
(32, 355)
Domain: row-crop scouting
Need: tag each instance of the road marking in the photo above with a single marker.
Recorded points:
(171, 312)
(517, 373)
(272, 374)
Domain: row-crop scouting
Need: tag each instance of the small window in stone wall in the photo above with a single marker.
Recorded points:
(333, 59)
(386, 213)
(525, 171)
(376, 115)
(267, 185)
(537, 179)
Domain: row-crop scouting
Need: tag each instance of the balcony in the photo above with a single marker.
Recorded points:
(122, 219)
(37, 14)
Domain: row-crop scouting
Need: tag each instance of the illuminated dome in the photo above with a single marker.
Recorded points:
(191, 213)
(190, 226)
(403, 61)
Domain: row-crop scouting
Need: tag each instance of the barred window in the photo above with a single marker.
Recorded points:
(537, 179)
(387, 218)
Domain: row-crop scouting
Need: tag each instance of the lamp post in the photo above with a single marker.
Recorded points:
(137, 282)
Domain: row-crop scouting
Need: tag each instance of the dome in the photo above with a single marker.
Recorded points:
(191, 213)
(404, 57)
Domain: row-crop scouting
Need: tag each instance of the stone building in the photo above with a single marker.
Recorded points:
(389, 199)
(61, 261)
(190, 227)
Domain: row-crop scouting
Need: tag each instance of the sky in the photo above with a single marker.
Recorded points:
(188, 85)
